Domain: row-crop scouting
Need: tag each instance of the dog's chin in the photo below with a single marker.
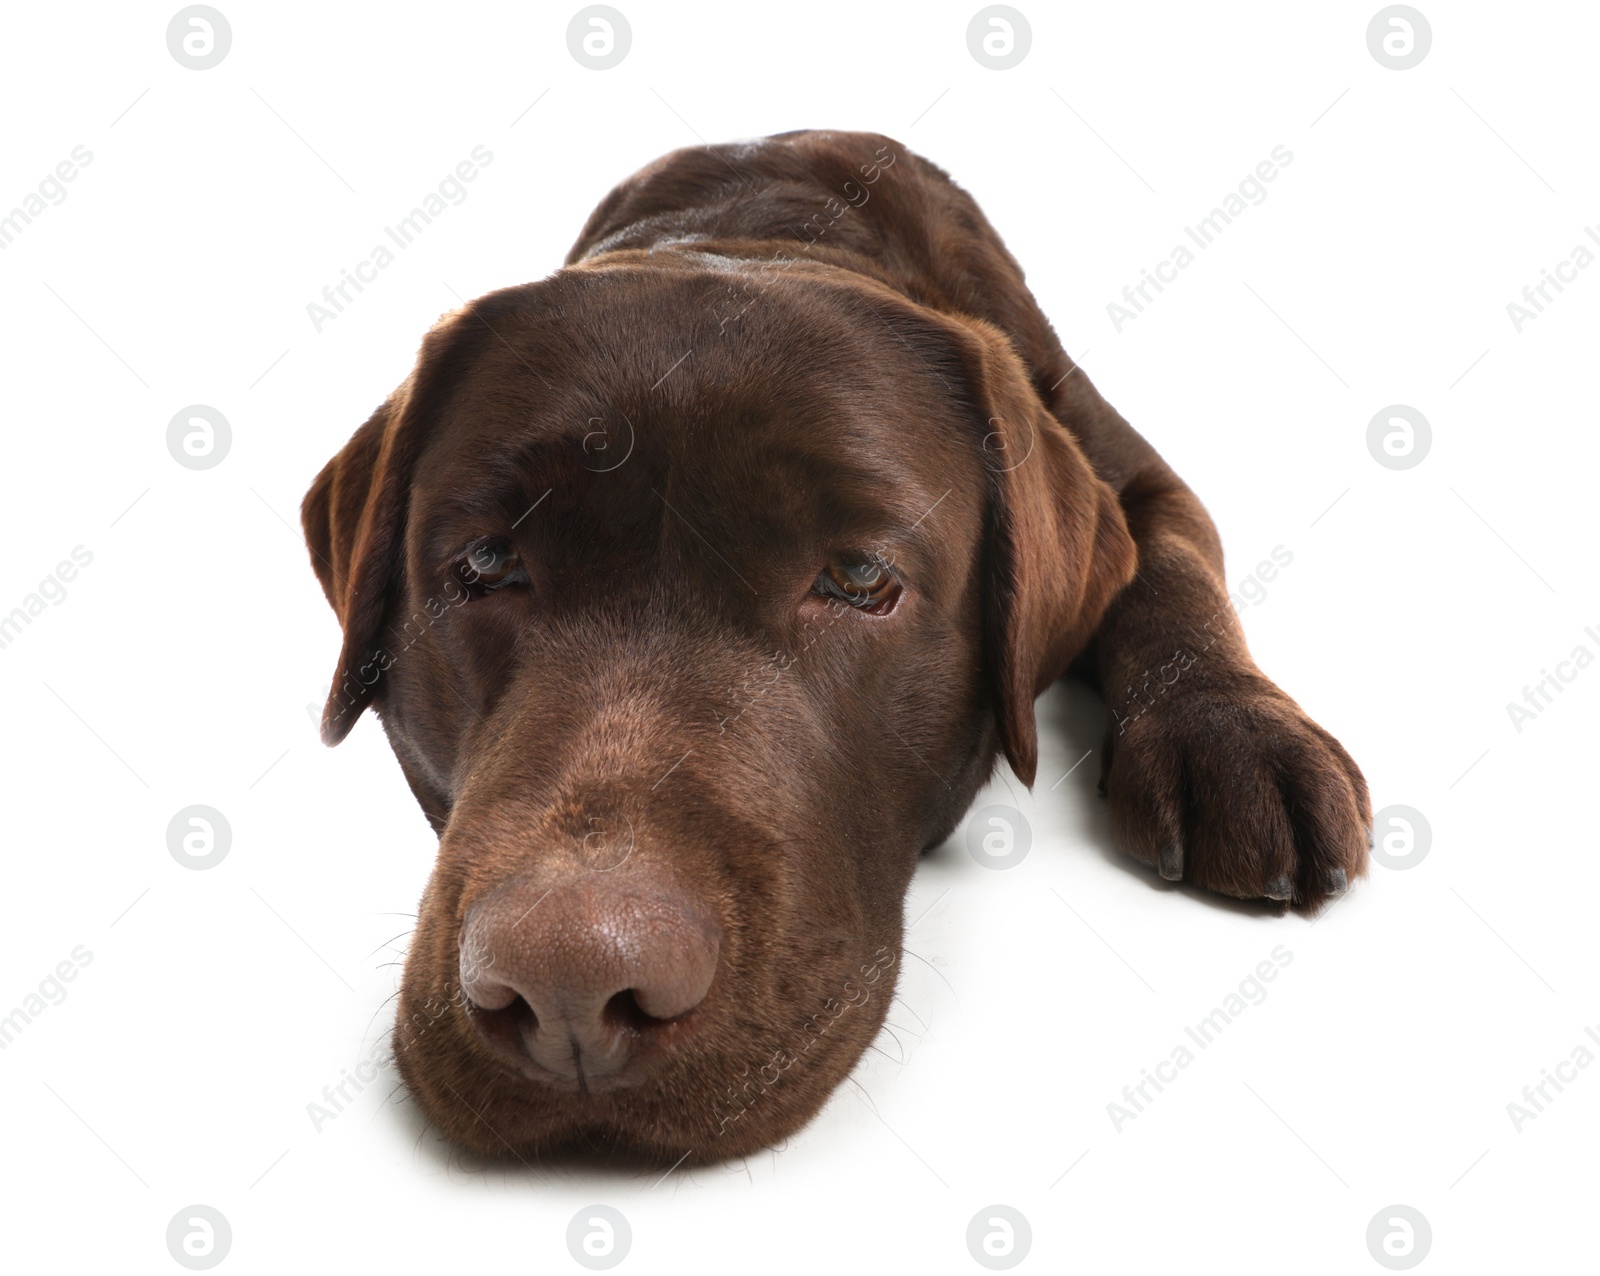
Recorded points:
(697, 1110)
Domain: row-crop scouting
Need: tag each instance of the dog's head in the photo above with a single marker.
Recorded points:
(696, 598)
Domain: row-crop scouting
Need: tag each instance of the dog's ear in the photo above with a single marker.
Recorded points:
(1058, 549)
(353, 517)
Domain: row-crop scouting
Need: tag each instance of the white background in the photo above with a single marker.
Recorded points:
(181, 664)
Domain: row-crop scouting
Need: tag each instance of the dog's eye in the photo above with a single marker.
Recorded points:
(490, 566)
(865, 583)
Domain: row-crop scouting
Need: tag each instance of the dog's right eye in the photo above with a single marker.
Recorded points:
(489, 566)
(866, 583)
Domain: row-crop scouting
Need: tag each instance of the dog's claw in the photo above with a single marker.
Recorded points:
(1279, 888)
(1169, 863)
(1336, 883)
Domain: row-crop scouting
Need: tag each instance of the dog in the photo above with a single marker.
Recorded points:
(700, 585)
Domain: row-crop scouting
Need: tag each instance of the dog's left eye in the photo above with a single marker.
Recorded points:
(490, 566)
(865, 583)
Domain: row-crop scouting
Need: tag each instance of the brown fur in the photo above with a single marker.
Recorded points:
(758, 356)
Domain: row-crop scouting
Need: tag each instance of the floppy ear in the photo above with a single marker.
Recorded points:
(1058, 547)
(353, 517)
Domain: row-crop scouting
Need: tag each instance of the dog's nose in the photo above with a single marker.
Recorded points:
(584, 975)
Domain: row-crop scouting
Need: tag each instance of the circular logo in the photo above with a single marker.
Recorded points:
(1398, 37)
(999, 836)
(599, 1237)
(198, 37)
(199, 1237)
(607, 449)
(999, 1237)
(1401, 837)
(1399, 437)
(198, 437)
(599, 37)
(1399, 1237)
(997, 449)
(999, 37)
(199, 837)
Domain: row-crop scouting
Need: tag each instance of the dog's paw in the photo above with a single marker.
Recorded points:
(1235, 789)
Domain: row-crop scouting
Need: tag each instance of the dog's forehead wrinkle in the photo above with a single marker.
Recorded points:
(852, 428)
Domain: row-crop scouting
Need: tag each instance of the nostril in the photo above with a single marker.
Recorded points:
(507, 1028)
(624, 1011)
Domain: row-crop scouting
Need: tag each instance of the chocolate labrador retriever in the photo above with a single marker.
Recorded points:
(698, 587)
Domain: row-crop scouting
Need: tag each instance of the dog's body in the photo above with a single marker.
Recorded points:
(699, 587)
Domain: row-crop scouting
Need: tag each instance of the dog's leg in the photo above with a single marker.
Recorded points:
(1215, 776)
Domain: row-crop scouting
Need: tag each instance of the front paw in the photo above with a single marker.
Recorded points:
(1233, 788)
